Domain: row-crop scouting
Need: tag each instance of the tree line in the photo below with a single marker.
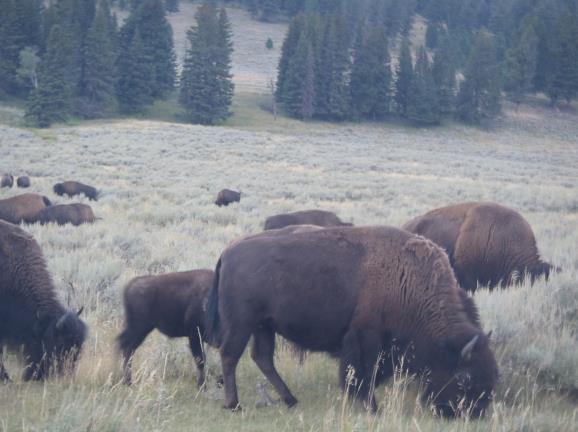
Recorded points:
(71, 59)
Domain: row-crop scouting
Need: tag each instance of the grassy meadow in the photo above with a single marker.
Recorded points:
(158, 180)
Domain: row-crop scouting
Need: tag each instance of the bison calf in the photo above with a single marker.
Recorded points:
(23, 182)
(488, 244)
(23, 208)
(31, 317)
(62, 214)
(305, 217)
(171, 303)
(227, 196)
(72, 188)
(7, 180)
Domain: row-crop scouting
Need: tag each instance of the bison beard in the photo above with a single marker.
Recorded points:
(358, 293)
(31, 317)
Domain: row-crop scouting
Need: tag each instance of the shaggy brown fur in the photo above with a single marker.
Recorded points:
(488, 244)
(72, 188)
(7, 180)
(171, 303)
(356, 293)
(75, 214)
(227, 196)
(23, 182)
(23, 208)
(31, 317)
(305, 217)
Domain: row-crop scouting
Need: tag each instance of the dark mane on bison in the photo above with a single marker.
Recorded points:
(31, 317)
(357, 293)
(487, 244)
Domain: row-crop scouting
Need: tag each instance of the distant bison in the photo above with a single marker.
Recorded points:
(488, 244)
(23, 182)
(72, 188)
(7, 180)
(172, 303)
(372, 296)
(62, 214)
(31, 317)
(227, 196)
(23, 208)
(306, 217)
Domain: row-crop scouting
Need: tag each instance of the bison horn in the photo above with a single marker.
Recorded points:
(61, 321)
(468, 348)
(80, 311)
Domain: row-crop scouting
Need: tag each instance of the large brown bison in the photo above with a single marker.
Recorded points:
(305, 217)
(62, 214)
(31, 317)
(172, 303)
(227, 196)
(72, 188)
(488, 244)
(7, 180)
(23, 182)
(368, 295)
(23, 208)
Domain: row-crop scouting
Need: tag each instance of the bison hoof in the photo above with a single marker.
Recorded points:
(290, 401)
(233, 408)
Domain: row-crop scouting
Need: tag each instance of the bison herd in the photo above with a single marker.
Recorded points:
(376, 298)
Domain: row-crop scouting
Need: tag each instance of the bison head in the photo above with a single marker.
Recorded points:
(58, 189)
(462, 377)
(62, 341)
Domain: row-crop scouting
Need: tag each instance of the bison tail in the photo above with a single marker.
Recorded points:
(212, 319)
(47, 202)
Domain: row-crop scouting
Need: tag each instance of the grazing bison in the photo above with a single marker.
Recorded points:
(227, 196)
(172, 303)
(23, 208)
(23, 182)
(7, 180)
(31, 317)
(72, 188)
(306, 217)
(368, 295)
(75, 214)
(487, 243)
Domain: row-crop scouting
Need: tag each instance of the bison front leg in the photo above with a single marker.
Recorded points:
(262, 353)
(196, 346)
(4, 377)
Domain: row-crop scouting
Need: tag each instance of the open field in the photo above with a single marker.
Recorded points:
(158, 184)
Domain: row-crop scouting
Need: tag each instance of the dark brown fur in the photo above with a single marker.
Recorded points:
(357, 293)
(7, 180)
(31, 317)
(171, 303)
(227, 196)
(305, 217)
(23, 182)
(23, 208)
(488, 244)
(62, 214)
(72, 188)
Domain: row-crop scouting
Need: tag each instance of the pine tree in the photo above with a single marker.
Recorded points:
(404, 77)
(520, 65)
(206, 86)
(269, 10)
(51, 100)
(422, 106)
(444, 76)
(479, 97)
(371, 77)
(149, 18)
(299, 94)
(296, 28)
(135, 74)
(172, 6)
(562, 75)
(97, 88)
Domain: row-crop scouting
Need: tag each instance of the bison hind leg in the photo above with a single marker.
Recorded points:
(262, 354)
(231, 349)
(4, 377)
(196, 347)
(128, 341)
